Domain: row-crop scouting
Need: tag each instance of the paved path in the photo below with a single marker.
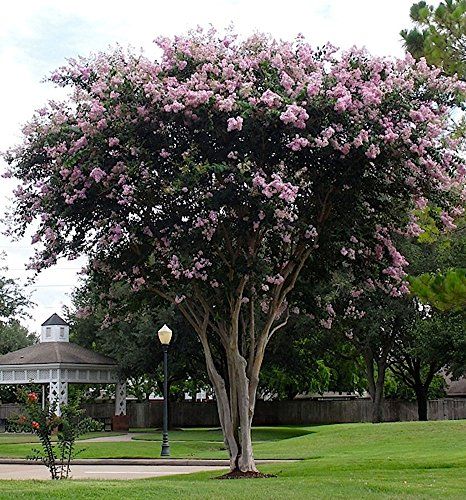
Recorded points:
(21, 471)
(110, 439)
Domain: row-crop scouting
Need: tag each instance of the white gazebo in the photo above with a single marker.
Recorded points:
(56, 362)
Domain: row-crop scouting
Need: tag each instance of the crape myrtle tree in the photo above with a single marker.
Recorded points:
(210, 177)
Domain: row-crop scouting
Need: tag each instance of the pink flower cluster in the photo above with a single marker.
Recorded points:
(285, 190)
(294, 115)
(234, 124)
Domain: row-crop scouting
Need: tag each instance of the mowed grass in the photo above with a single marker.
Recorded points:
(188, 443)
(394, 460)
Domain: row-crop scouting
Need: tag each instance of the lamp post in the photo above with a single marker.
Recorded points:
(165, 335)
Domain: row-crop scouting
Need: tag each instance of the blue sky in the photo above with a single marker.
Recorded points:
(36, 36)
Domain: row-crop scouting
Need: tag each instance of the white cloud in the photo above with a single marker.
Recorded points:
(38, 35)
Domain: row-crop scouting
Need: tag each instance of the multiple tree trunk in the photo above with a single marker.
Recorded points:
(243, 340)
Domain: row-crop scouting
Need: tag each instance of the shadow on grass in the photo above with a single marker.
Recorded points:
(259, 434)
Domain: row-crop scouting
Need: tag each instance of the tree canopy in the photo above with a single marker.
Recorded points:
(213, 176)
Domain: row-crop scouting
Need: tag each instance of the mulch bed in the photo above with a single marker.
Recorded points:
(237, 474)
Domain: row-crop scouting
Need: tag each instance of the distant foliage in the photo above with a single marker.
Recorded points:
(446, 292)
(439, 35)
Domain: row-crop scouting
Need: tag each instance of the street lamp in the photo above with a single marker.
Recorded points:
(165, 335)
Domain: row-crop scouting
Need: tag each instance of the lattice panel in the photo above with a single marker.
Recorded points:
(20, 375)
(120, 399)
(59, 393)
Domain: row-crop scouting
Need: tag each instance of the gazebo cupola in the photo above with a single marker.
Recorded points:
(55, 329)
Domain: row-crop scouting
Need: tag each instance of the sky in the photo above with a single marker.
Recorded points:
(37, 36)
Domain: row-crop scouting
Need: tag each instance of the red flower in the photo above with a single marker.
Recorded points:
(32, 397)
(35, 425)
(22, 419)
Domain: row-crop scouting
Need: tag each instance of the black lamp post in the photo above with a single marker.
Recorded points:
(165, 335)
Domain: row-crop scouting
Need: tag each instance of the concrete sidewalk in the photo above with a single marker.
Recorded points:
(90, 471)
(165, 462)
(121, 438)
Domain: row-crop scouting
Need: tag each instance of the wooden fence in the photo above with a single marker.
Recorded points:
(297, 412)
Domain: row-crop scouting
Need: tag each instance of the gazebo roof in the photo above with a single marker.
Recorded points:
(53, 353)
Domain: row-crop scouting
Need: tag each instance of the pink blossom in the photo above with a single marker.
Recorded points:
(271, 99)
(373, 151)
(116, 233)
(447, 220)
(84, 312)
(79, 144)
(138, 283)
(311, 232)
(413, 229)
(234, 123)
(327, 323)
(97, 174)
(294, 115)
(275, 280)
(298, 143)
(343, 103)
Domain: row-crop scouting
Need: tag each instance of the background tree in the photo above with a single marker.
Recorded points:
(303, 359)
(443, 291)
(13, 301)
(396, 389)
(437, 273)
(132, 340)
(13, 336)
(430, 342)
(439, 35)
(213, 176)
(374, 336)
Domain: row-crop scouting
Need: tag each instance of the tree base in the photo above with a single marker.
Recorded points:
(237, 474)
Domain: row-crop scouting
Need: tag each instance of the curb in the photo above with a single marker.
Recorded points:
(140, 461)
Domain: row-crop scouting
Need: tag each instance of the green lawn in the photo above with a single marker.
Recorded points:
(396, 460)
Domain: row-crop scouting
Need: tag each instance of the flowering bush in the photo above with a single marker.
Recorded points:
(216, 176)
(45, 423)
